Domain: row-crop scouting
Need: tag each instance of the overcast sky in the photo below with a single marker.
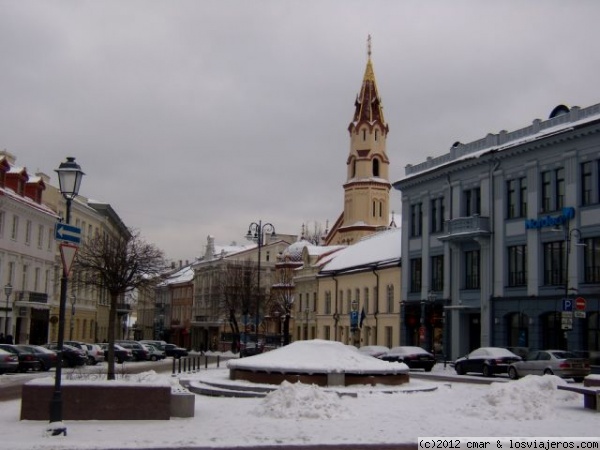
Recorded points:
(199, 117)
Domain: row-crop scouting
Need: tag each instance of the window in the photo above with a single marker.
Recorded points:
(390, 298)
(388, 337)
(554, 258)
(28, 232)
(364, 134)
(472, 272)
(2, 215)
(416, 218)
(437, 272)
(560, 188)
(437, 215)
(517, 265)
(36, 279)
(546, 192)
(375, 167)
(511, 199)
(327, 332)
(591, 260)
(472, 199)
(553, 190)
(14, 233)
(415, 275)
(328, 302)
(523, 196)
(586, 183)
(40, 239)
(366, 304)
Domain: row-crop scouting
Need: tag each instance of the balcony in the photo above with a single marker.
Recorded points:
(466, 228)
(31, 297)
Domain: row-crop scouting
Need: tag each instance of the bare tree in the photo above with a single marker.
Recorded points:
(118, 265)
(313, 235)
(238, 283)
(282, 294)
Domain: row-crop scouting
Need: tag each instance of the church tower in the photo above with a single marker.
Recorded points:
(367, 186)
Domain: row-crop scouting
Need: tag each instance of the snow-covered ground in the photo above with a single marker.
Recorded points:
(302, 414)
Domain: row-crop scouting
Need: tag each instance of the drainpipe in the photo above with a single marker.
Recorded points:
(490, 312)
(336, 315)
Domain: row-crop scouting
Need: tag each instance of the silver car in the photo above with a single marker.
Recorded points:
(561, 363)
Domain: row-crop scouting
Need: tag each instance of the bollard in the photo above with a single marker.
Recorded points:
(218, 360)
(173, 366)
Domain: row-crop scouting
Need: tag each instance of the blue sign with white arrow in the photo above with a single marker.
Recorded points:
(68, 233)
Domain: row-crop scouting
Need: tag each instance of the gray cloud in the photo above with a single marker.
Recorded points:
(195, 118)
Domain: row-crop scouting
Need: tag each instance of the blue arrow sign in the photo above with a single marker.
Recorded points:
(69, 233)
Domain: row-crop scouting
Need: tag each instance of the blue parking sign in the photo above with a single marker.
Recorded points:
(567, 304)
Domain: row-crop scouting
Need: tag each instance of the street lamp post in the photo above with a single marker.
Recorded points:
(7, 290)
(73, 300)
(568, 236)
(69, 179)
(256, 231)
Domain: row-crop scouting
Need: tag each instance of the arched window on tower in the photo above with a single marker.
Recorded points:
(380, 209)
(374, 207)
(353, 169)
(376, 132)
(364, 134)
(375, 167)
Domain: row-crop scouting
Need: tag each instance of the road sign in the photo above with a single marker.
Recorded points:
(567, 304)
(567, 321)
(579, 314)
(580, 304)
(67, 254)
(68, 233)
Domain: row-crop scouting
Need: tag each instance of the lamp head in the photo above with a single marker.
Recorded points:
(8, 289)
(69, 178)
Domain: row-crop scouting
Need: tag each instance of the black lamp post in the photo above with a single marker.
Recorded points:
(256, 232)
(69, 179)
(73, 300)
(7, 290)
(568, 237)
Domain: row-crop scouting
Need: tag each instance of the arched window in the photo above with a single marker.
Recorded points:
(375, 167)
(374, 207)
(364, 134)
(376, 133)
(353, 169)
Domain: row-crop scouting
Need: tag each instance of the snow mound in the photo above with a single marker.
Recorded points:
(530, 398)
(302, 401)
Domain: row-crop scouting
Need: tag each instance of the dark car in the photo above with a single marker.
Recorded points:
(561, 363)
(174, 351)
(138, 351)
(413, 357)
(47, 358)
(71, 356)
(486, 360)
(27, 359)
(9, 362)
(122, 354)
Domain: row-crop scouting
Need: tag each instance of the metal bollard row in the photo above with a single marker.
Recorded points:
(191, 364)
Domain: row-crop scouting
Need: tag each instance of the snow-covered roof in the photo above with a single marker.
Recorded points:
(184, 275)
(376, 249)
(559, 124)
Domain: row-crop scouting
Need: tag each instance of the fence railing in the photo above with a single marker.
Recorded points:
(194, 363)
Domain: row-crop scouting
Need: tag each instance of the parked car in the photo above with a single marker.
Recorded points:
(158, 344)
(413, 357)
(551, 362)
(71, 356)
(121, 354)
(80, 345)
(95, 354)
(374, 350)
(27, 359)
(9, 362)
(137, 349)
(486, 360)
(47, 358)
(154, 352)
(174, 351)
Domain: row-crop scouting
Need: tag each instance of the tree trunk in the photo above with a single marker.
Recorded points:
(112, 319)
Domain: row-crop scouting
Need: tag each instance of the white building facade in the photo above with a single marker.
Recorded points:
(502, 240)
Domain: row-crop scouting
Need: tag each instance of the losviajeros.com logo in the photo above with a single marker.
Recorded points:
(551, 221)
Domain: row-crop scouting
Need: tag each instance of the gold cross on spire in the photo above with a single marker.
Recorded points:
(369, 46)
